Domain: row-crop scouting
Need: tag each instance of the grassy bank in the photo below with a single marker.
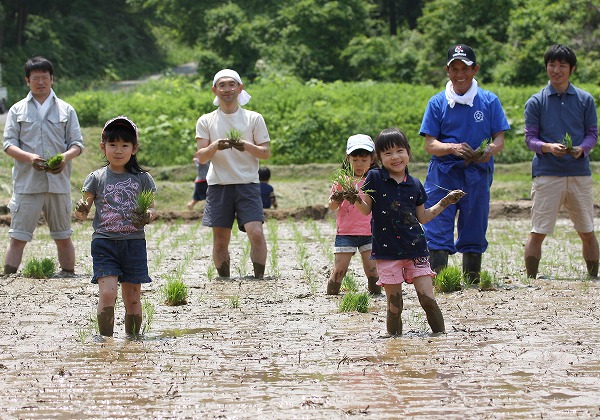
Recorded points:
(295, 185)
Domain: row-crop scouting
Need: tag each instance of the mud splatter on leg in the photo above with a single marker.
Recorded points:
(259, 270)
(133, 324)
(106, 321)
(394, 314)
(531, 265)
(374, 289)
(335, 282)
(223, 270)
(433, 313)
(9, 269)
(592, 268)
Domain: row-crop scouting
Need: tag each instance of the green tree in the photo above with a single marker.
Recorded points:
(480, 24)
(537, 24)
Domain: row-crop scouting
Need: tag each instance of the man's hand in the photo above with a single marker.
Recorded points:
(485, 156)
(576, 152)
(39, 164)
(238, 145)
(58, 169)
(452, 198)
(557, 149)
(463, 151)
(223, 144)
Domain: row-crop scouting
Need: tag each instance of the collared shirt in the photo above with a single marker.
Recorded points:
(464, 124)
(397, 234)
(548, 117)
(55, 133)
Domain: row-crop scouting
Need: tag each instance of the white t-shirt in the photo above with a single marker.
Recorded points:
(231, 166)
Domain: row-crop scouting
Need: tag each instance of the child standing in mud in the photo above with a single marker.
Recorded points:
(397, 203)
(118, 242)
(353, 229)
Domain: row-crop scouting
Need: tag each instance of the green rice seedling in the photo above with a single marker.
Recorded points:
(355, 301)
(567, 141)
(449, 279)
(144, 202)
(344, 178)
(211, 271)
(39, 268)
(55, 161)
(234, 135)
(148, 311)
(234, 302)
(174, 291)
(486, 281)
(479, 152)
(349, 283)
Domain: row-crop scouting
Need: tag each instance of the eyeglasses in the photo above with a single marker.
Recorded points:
(36, 79)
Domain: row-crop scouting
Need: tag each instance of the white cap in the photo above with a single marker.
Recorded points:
(359, 141)
(243, 97)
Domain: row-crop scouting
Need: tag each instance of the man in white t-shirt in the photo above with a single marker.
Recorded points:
(233, 183)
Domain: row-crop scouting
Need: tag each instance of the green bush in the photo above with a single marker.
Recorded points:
(307, 122)
(39, 268)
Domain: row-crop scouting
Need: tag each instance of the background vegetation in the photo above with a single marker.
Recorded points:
(318, 70)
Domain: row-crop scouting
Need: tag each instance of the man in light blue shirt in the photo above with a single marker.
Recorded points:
(37, 128)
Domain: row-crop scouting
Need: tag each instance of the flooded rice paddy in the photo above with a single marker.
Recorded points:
(279, 348)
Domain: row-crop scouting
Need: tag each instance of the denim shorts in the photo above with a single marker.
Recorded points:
(126, 259)
(349, 243)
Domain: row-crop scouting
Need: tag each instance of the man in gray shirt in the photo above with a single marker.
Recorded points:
(37, 128)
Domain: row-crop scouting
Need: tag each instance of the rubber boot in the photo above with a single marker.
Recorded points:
(259, 270)
(223, 270)
(133, 324)
(592, 267)
(472, 267)
(9, 269)
(374, 289)
(106, 321)
(532, 264)
(438, 260)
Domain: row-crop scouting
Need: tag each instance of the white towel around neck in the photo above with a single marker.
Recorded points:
(467, 99)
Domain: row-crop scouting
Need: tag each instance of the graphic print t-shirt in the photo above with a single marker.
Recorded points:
(115, 199)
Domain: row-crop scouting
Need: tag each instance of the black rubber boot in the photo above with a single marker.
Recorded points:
(438, 260)
(472, 267)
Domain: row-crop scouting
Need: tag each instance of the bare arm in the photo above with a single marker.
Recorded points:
(83, 206)
(425, 215)
(365, 205)
(437, 148)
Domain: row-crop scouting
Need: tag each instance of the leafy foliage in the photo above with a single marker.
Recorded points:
(39, 268)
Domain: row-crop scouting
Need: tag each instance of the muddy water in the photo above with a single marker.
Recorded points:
(525, 350)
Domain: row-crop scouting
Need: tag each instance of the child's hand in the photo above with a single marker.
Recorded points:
(337, 196)
(141, 220)
(82, 207)
(452, 198)
(352, 197)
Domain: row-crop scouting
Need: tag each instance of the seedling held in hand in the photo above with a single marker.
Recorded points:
(55, 161)
(140, 215)
(344, 178)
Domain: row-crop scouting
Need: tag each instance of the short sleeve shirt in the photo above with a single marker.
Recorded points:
(349, 220)
(397, 234)
(115, 199)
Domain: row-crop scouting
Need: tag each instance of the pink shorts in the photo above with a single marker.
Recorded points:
(399, 271)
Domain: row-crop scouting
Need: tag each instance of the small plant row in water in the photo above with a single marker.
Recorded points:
(451, 279)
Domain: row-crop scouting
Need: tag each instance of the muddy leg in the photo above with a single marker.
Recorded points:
(592, 268)
(223, 270)
(133, 324)
(531, 266)
(340, 268)
(8, 269)
(259, 270)
(106, 321)
(435, 319)
(394, 309)
(374, 289)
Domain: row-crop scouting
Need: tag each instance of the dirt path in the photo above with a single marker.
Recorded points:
(528, 349)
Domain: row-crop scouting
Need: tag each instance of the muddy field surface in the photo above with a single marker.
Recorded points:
(280, 348)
